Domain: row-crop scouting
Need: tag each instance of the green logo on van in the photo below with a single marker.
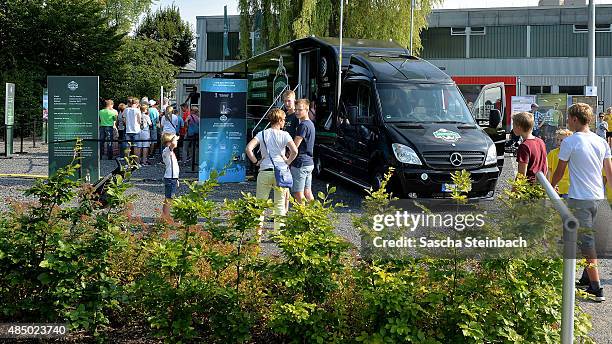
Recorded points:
(446, 135)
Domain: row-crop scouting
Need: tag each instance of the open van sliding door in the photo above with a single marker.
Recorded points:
(307, 75)
(492, 97)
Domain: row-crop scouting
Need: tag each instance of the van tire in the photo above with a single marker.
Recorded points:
(377, 178)
(318, 167)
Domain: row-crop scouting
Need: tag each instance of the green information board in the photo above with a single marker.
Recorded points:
(9, 104)
(9, 117)
(73, 113)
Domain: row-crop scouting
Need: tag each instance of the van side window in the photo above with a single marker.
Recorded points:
(349, 94)
(364, 101)
(348, 99)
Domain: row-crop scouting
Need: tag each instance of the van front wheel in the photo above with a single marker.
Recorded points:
(318, 167)
(377, 179)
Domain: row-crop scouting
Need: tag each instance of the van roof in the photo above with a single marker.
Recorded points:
(350, 46)
(389, 67)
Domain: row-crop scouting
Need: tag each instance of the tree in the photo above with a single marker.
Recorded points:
(123, 14)
(166, 25)
(51, 37)
(141, 66)
(285, 20)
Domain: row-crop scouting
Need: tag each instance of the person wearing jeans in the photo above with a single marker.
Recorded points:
(302, 167)
(132, 124)
(121, 130)
(193, 134)
(274, 142)
(107, 118)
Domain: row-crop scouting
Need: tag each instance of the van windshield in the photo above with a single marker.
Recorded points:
(422, 103)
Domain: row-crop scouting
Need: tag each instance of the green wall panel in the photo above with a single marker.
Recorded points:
(557, 41)
(500, 41)
(438, 43)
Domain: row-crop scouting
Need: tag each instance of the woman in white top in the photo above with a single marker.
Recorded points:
(169, 122)
(276, 141)
(145, 134)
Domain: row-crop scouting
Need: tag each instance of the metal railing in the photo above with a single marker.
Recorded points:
(269, 108)
(23, 130)
(570, 236)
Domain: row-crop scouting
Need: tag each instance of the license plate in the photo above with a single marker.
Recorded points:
(448, 187)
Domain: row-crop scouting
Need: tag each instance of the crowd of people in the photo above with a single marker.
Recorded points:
(579, 168)
(136, 127)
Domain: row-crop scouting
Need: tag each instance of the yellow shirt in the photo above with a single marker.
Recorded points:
(553, 161)
(608, 119)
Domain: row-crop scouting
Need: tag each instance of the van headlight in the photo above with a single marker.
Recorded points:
(405, 154)
(491, 156)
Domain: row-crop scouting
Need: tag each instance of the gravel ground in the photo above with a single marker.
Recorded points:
(17, 174)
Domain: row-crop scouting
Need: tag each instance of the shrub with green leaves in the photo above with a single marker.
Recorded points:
(195, 274)
(56, 253)
(461, 300)
(306, 276)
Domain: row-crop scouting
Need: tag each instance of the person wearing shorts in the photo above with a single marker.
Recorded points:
(586, 155)
(302, 166)
(171, 174)
(144, 138)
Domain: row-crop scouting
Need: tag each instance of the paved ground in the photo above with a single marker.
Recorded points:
(16, 176)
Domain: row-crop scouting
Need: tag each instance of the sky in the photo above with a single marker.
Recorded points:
(192, 8)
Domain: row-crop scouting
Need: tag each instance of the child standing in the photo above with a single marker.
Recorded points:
(531, 154)
(553, 160)
(171, 183)
(586, 154)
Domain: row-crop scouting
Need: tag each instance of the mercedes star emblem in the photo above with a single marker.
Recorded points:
(456, 159)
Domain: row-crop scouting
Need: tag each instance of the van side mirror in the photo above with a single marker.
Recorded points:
(494, 118)
(352, 112)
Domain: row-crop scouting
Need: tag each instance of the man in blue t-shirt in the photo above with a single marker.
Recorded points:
(302, 166)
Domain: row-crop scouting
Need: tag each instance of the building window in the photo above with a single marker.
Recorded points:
(457, 31)
(533, 90)
(572, 90)
(214, 46)
(477, 30)
(598, 28)
(474, 31)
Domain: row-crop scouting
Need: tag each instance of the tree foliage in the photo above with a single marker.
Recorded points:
(142, 66)
(77, 37)
(123, 14)
(285, 20)
(166, 25)
(51, 37)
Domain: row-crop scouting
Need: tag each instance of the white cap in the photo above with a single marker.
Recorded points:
(152, 102)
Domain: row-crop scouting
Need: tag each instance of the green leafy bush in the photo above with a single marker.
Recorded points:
(203, 278)
(56, 254)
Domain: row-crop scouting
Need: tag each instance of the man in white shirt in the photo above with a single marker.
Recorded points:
(133, 119)
(586, 154)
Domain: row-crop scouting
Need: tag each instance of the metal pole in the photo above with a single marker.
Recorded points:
(161, 99)
(21, 138)
(340, 55)
(591, 78)
(34, 134)
(411, 24)
(570, 228)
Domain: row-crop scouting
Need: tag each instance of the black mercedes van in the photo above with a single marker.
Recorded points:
(401, 111)
(391, 109)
